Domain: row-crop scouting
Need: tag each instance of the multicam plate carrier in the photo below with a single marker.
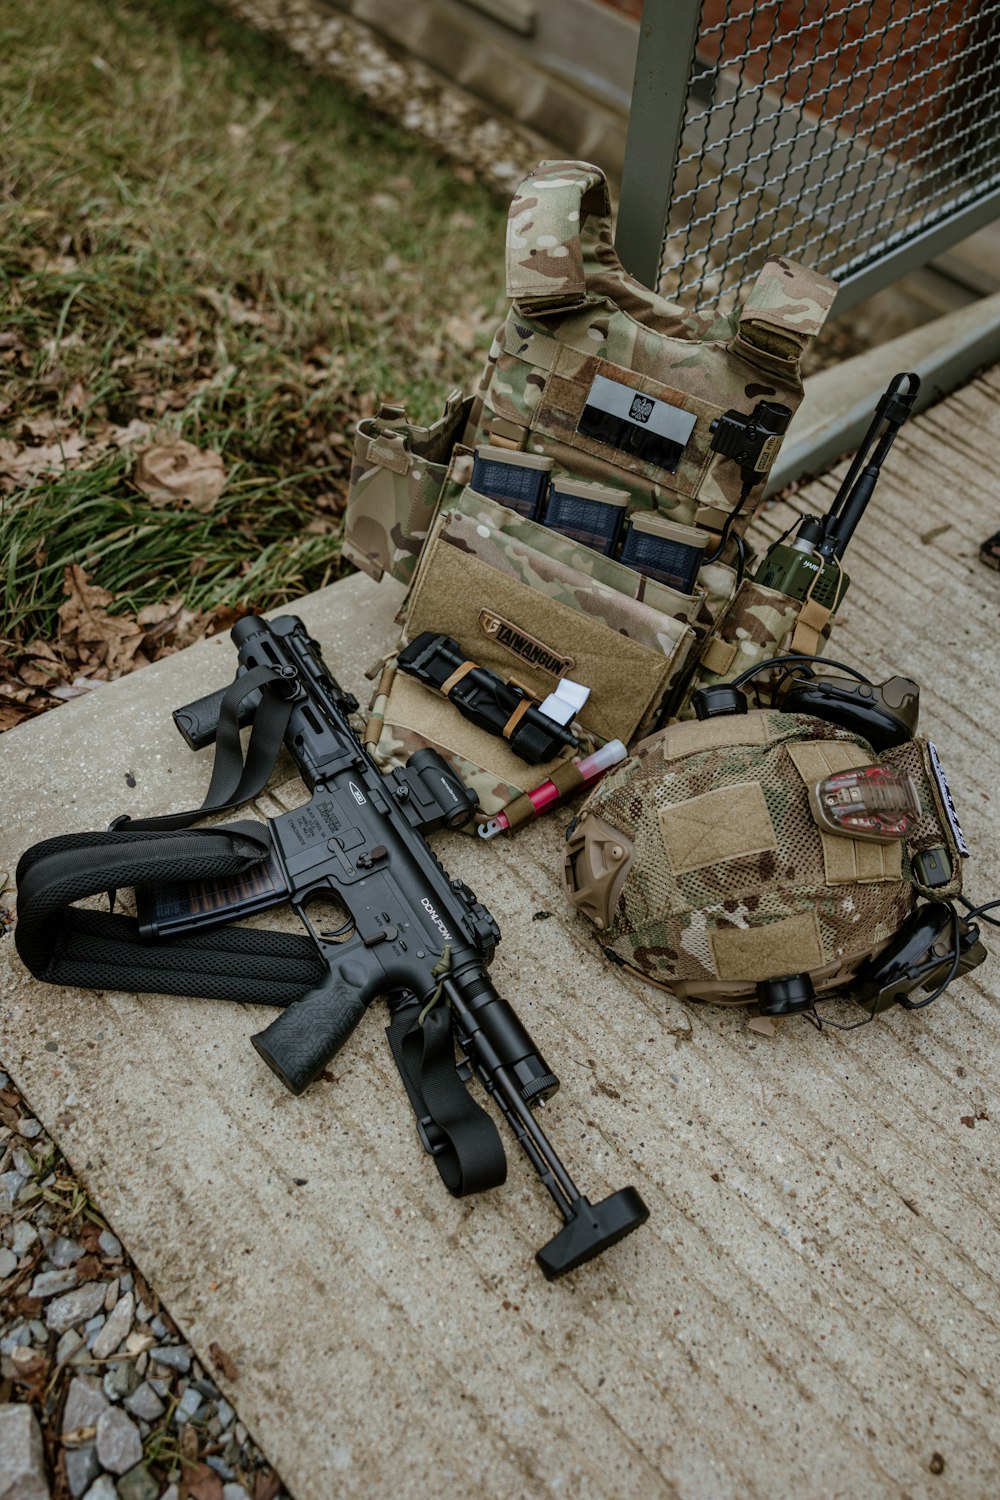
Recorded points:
(586, 357)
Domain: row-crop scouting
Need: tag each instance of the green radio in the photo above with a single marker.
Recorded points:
(808, 566)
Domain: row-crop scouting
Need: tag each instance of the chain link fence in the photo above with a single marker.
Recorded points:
(850, 134)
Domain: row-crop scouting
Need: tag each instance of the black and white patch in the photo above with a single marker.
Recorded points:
(635, 423)
(946, 799)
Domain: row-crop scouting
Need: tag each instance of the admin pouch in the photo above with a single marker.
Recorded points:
(703, 868)
(611, 383)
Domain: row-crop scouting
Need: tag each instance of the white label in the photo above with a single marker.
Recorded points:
(946, 799)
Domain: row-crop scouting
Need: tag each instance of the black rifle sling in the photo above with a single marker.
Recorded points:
(64, 944)
(458, 1133)
(234, 780)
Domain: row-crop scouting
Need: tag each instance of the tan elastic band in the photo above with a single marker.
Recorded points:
(814, 617)
(389, 451)
(519, 811)
(456, 676)
(516, 717)
(373, 730)
(812, 621)
(718, 656)
(566, 777)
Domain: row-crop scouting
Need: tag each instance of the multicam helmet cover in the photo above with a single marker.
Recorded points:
(703, 867)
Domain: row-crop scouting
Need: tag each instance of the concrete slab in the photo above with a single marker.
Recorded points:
(812, 1308)
(839, 401)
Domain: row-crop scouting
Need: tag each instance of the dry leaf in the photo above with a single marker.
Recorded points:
(20, 465)
(136, 432)
(201, 1483)
(75, 689)
(223, 1361)
(176, 472)
(87, 631)
(236, 311)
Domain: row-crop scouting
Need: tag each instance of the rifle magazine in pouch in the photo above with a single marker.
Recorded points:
(537, 613)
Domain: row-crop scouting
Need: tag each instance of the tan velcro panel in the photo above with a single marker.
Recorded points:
(725, 824)
(694, 735)
(791, 945)
(846, 861)
(624, 677)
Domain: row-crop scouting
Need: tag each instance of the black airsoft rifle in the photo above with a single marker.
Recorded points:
(410, 933)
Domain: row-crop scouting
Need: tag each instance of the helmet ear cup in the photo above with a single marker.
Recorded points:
(885, 714)
(921, 954)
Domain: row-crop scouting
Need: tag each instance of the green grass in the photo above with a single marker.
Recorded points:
(198, 235)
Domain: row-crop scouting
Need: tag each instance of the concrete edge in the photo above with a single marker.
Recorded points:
(834, 417)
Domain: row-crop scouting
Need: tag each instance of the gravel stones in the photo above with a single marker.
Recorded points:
(109, 1245)
(11, 1184)
(103, 1488)
(144, 1403)
(62, 1252)
(81, 1468)
(119, 1446)
(68, 1345)
(76, 1307)
(173, 1356)
(84, 1415)
(120, 1380)
(51, 1283)
(188, 1406)
(450, 120)
(22, 1462)
(21, 1236)
(86, 1403)
(137, 1484)
(116, 1329)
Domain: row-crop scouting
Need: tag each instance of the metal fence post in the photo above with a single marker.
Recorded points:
(668, 35)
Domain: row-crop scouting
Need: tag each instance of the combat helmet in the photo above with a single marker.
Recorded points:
(706, 865)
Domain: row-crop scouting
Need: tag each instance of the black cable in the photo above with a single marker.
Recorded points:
(741, 560)
(956, 959)
(727, 524)
(821, 1021)
(972, 913)
(794, 658)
